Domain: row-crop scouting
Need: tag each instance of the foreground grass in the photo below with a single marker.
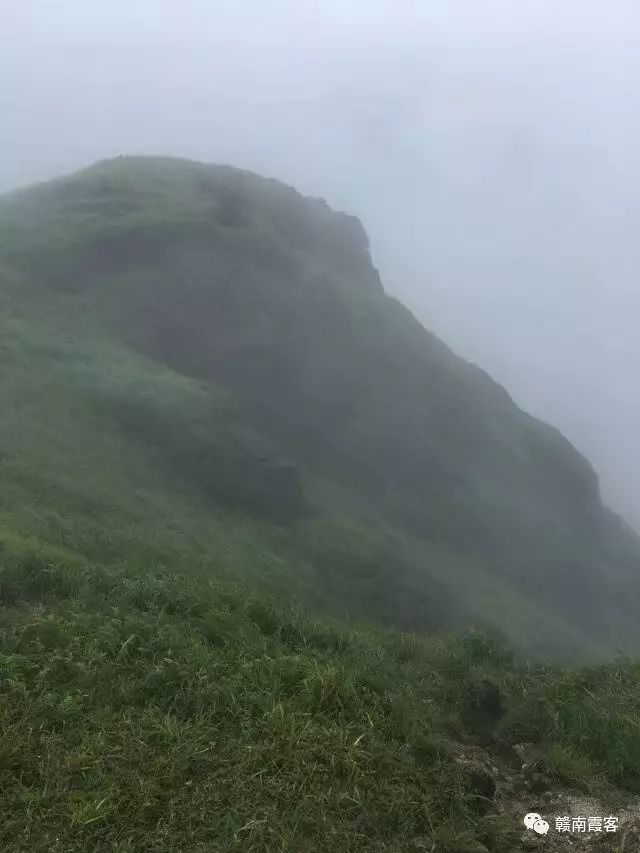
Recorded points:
(164, 713)
(182, 717)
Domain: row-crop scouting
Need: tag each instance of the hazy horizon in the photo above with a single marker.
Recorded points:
(491, 155)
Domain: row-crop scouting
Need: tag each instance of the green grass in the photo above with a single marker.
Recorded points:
(155, 712)
(189, 664)
(169, 715)
(107, 455)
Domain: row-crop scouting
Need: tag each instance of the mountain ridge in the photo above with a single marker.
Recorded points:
(242, 284)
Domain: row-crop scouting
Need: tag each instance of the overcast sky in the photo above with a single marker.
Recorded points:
(491, 148)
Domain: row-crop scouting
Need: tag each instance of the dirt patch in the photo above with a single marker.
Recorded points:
(519, 786)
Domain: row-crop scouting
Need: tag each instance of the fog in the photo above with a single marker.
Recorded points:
(491, 148)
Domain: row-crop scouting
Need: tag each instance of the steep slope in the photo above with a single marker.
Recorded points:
(455, 506)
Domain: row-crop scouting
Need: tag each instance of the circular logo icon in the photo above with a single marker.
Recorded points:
(530, 819)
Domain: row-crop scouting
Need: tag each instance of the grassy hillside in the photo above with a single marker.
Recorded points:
(201, 368)
(245, 500)
(155, 712)
(108, 459)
